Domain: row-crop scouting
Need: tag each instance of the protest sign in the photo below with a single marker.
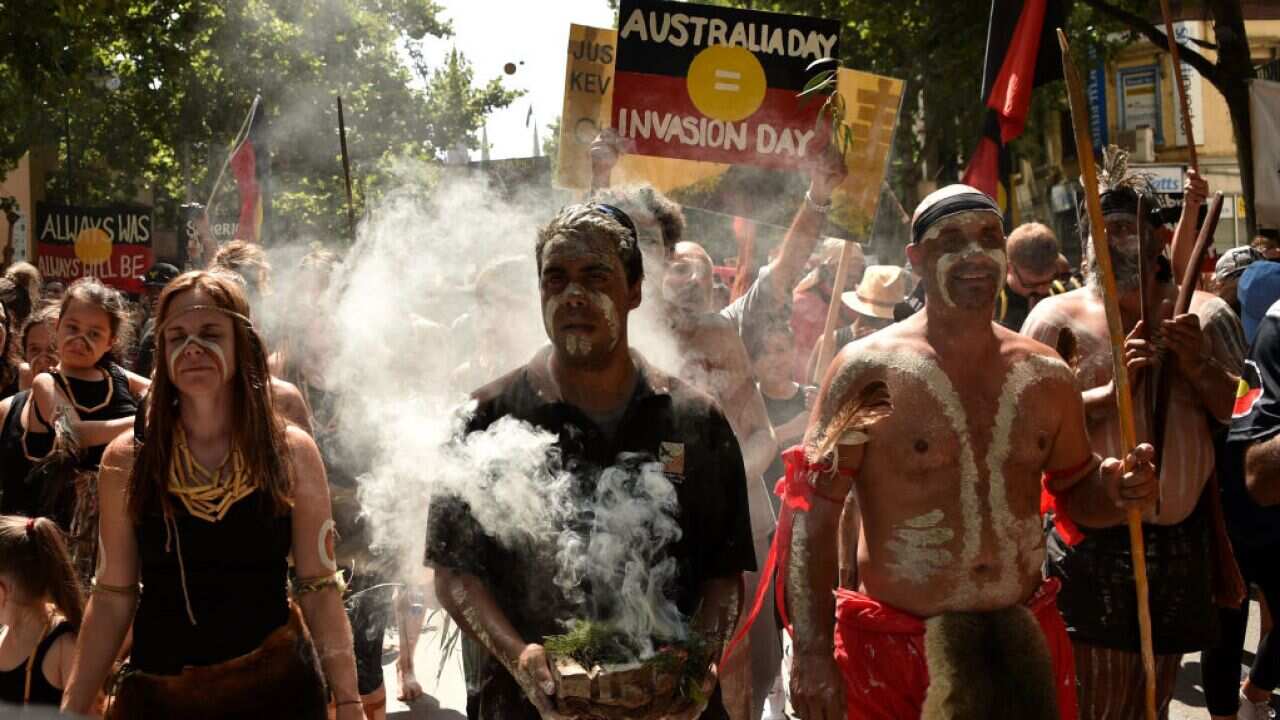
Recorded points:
(110, 243)
(717, 84)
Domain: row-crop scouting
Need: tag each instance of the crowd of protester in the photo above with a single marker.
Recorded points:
(132, 430)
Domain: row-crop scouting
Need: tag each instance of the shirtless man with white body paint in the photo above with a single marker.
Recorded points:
(942, 427)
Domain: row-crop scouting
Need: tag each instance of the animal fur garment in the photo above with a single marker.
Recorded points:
(987, 665)
(281, 679)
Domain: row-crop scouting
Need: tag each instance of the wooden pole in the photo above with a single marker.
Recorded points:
(827, 344)
(1111, 300)
(1181, 86)
(346, 169)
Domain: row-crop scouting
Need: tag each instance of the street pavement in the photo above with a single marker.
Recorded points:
(447, 692)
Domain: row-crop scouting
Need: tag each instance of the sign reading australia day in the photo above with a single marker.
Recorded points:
(718, 84)
(112, 243)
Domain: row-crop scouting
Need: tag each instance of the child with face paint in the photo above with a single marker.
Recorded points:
(18, 495)
(208, 498)
(87, 388)
(41, 609)
(38, 343)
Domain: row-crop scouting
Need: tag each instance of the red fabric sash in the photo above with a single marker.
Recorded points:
(796, 490)
(1051, 501)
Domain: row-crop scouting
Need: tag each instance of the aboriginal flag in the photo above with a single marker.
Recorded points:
(251, 167)
(1021, 56)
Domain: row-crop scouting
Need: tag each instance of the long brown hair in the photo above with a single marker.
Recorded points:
(258, 432)
(33, 555)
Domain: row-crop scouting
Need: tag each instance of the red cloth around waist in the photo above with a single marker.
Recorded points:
(880, 651)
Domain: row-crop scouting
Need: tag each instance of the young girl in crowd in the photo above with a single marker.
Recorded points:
(38, 345)
(40, 609)
(95, 395)
(18, 494)
(204, 503)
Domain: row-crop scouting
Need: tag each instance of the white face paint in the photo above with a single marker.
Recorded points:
(971, 251)
(575, 343)
(212, 348)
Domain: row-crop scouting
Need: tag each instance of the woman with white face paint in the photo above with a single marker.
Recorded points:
(206, 501)
(87, 388)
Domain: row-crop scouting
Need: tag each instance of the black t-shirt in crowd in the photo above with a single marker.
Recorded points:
(666, 421)
(1256, 418)
(782, 412)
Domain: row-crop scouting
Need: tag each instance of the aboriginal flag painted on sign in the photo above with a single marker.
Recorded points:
(718, 84)
(1022, 54)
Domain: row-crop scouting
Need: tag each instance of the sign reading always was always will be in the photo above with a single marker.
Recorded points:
(718, 84)
(111, 243)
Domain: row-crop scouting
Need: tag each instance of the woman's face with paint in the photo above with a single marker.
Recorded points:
(964, 258)
(585, 296)
(84, 334)
(198, 343)
(39, 351)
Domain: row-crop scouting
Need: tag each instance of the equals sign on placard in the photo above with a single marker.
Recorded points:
(725, 75)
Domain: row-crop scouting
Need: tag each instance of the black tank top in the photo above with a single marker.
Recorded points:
(17, 495)
(89, 393)
(13, 683)
(236, 575)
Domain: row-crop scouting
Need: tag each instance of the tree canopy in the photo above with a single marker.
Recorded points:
(139, 95)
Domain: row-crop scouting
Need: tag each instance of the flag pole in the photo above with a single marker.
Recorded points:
(240, 137)
(1124, 397)
(1181, 85)
(346, 169)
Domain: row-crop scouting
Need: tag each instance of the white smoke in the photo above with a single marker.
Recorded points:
(437, 297)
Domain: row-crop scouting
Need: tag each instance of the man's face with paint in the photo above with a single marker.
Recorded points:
(84, 334)
(1122, 238)
(963, 258)
(687, 283)
(585, 297)
(198, 344)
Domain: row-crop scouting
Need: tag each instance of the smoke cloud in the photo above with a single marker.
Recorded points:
(437, 297)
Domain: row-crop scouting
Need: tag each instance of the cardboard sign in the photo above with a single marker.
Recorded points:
(717, 84)
(873, 103)
(110, 243)
(588, 96)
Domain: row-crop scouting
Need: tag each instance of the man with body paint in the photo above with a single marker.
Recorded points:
(602, 401)
(1204, 350)
(942, 427)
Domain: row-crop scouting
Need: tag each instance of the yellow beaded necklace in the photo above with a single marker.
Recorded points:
(206, 494)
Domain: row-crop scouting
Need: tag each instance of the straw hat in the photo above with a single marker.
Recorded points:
(882, 287)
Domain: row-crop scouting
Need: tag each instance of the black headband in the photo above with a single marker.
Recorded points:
(963, 202)
(623, 219)
(1121, 200)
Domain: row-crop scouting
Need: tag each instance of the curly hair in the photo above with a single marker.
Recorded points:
(588, 220)
(90, 291)
(643, 201)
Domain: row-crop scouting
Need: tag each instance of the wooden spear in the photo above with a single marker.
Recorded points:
(1111, 300)
(1182, 88)
(827, 346)
(346, 169)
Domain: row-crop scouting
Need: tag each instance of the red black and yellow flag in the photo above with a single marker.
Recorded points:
(251, 167)
(1021, 56)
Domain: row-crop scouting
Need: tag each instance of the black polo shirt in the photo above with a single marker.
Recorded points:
(665, 421)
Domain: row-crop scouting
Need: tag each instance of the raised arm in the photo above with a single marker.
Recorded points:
(827, 174)
(1194, 193)
(318, 589)
(114, 595)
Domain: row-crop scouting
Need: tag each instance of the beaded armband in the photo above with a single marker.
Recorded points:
(302, 586)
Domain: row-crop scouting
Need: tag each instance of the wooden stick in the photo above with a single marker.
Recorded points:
(1190, 278)
(1111, 300)
(1182, 88)
(346, 169)
(241, 136)
(826, 348)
